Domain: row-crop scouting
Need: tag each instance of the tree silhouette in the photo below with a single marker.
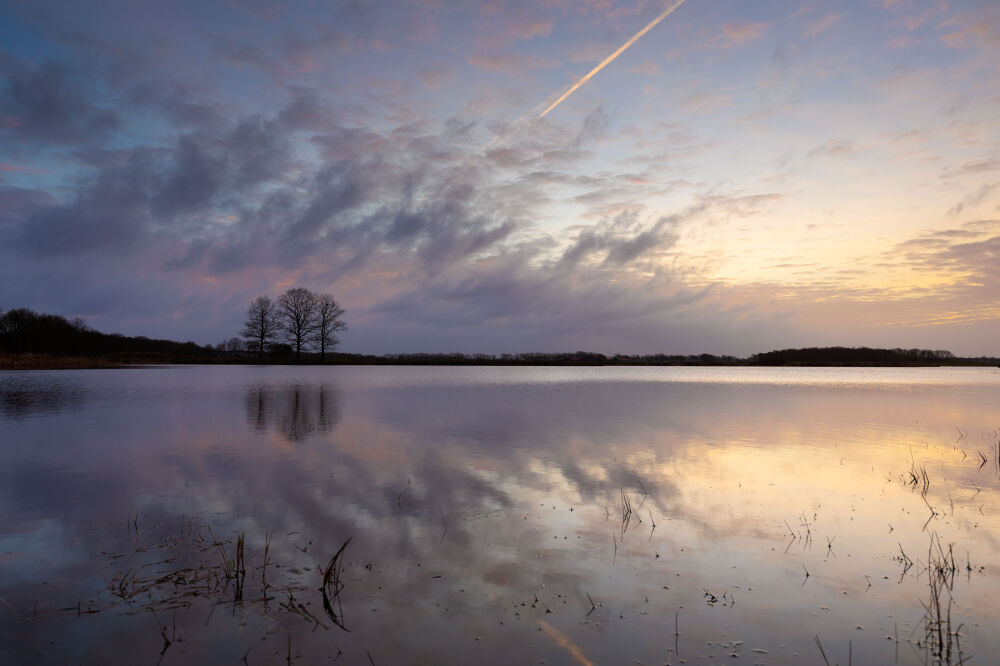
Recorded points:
(329, 321)
(261, 324)
(24, 331)
(297, 311)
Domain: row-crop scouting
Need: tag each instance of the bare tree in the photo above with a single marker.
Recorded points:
(297, 310)
(329, 321)
(261, 324)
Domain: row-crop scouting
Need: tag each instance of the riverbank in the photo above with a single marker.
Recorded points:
(126, 360)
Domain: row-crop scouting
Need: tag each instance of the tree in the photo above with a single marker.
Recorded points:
(261, 324)
(297, 310)
(329, 321)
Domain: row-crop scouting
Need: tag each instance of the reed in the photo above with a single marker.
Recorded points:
(332, 586)
(941, 638)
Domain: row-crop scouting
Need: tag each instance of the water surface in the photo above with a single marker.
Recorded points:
(499, 515)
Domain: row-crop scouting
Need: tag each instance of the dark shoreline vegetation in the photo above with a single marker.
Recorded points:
(29, 340)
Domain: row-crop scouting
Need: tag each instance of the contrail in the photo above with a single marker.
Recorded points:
(604, 63)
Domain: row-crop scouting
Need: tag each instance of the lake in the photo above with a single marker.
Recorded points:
(426, 515)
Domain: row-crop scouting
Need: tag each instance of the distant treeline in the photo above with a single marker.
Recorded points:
(537, 358)
(842, 356)
(30, 339)
(822, 356)
(24, 331)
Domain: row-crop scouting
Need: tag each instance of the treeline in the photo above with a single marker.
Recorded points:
(848, 356)
(24, 331)
(579, 358)
(302, 326)
(825, 356)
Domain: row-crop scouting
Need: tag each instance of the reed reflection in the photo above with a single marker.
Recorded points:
(296, 411)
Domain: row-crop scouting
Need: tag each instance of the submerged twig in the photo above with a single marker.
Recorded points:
(332, 586)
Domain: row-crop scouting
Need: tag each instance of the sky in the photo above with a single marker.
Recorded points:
(744, 176)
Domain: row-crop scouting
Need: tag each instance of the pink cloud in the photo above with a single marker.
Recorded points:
(508, 63)
(529, 29)
(916, 20)
(591, 51)
(703, 102)
(15, 168)
(979, 28)
(742, 33)
(835, 148)
(649, 68)
(821, 26)
(437, 78)
(901, 42)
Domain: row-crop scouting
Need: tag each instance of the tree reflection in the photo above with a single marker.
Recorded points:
(296, 411)
(21, 399)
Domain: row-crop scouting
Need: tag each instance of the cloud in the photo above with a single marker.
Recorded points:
(510, 64)
(438, 237)
(178, 103)
(625, 238)
(902, 42)
(437, 78)
(590, 51)
(511, 307)
(966, 254)
(973, 199)
(528, 29)
(136, 193)
(253, 56)
(303, 51)
(953, 279)
(979, 28)
(48, 104)
(621, 239)
(407, 191)
(972, 168)
(649, 68)
(742, 33)
(820, 26)
(834, 148)
(704, 101)
(158, 183)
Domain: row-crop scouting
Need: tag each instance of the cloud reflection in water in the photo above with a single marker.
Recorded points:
(487, 500)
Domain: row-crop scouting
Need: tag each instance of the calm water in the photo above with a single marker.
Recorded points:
(488, 512)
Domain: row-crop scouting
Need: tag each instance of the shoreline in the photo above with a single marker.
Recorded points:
(51, 362)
